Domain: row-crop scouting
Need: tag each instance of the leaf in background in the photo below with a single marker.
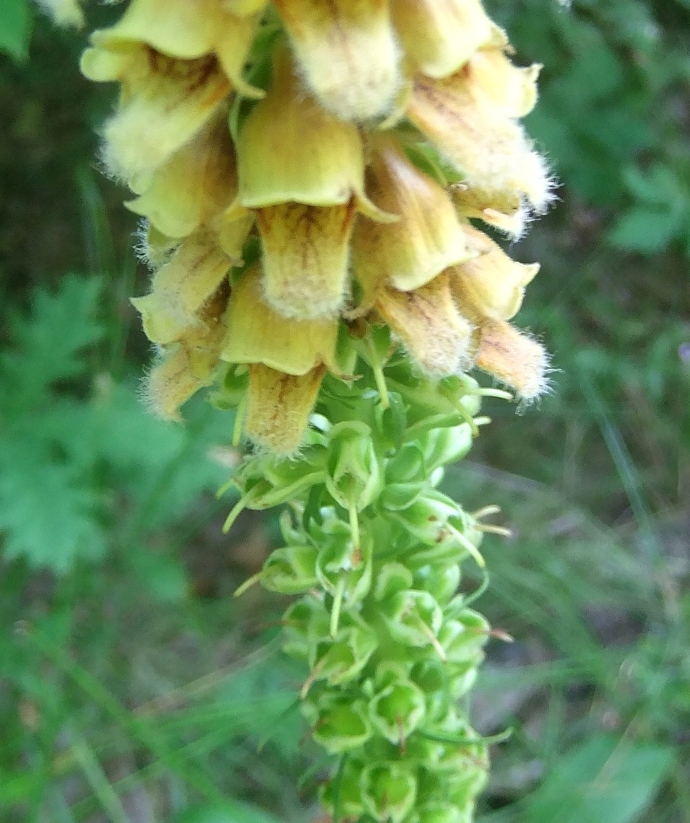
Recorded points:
(47, 346)
(646, 230)
(15, 29)
(604, 779)
(48, 515)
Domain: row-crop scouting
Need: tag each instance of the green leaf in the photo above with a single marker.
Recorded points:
(15, 29)
(48, 345)
(49, 517)
(604, 779)
(646, 230)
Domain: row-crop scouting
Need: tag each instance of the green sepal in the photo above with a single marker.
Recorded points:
(398, 707)
(339, 562)
(354, 473)
(339, 723)
(391, 579)
(389, 791)
(340, 660)
(290, 570)
(412, 617)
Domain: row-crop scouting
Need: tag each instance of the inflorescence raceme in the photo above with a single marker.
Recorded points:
(316, 179)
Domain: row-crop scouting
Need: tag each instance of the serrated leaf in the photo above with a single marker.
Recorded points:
(48, 345)
(604, 779)
(48, 516)
(15, 29)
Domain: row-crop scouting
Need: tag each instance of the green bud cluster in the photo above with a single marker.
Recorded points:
(374, 550)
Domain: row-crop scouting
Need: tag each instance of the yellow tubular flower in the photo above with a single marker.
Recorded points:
(287, 360)
(470, 117)
(347, 53)
(513, 358)
(426, 239)
(439, 36)
(301, 170)
(429, 325)
(188, 364)
(176, 69)
(194, 185)
(181, 288)
(279, 405)
(490, 286)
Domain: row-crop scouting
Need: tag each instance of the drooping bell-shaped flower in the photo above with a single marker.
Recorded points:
(514, 358)
(347, 53)
(189, 363)
(301, 171)
(426, 239)
(287, 360)
(471, 117)
(181, 288)
(175, 71)
(195, 185)
(430, 327)
(491, 285)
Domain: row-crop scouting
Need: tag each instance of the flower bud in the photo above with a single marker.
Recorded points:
(339, 724)
(354, 473)
(347, 53)
(388, 791)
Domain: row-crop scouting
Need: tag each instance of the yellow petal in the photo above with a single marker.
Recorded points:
(491, 285)
(429, 326)
(513, 358)
(257, 334)
(487, 147)
(305, 258)
(513, 90)
(426, 239)
(180, 288)
(195, 184)
(164, 103)
(186, 367)
(347, 53)
(170, 384)
(188, 30)
(290, 149)
(279, 406)
(441, 35)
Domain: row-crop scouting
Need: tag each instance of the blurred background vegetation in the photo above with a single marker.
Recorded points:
(134, 689)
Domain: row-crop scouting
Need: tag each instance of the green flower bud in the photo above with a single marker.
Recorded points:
(412, 617)
(290, 570)
(388, 791)
(398, 706)
(339, 724)
(354, 473)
